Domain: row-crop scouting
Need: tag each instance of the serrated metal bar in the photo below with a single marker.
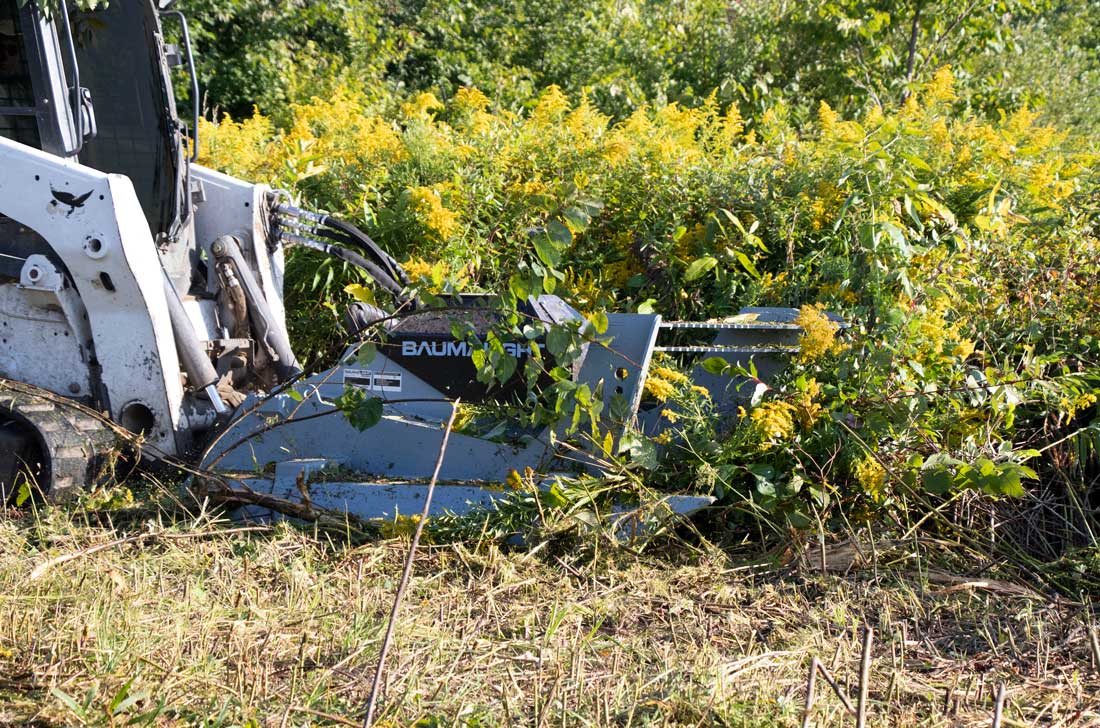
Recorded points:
(727, 349)
(764, 326)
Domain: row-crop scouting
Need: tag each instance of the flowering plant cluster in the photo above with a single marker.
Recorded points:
(964, 253)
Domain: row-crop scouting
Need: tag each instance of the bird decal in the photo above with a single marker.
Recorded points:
(67, 198)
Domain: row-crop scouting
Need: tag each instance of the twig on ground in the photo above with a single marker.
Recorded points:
(816, 666)
(864, 676)
(998, 707)
(407, 573)
(811, 685)
(1094, 645)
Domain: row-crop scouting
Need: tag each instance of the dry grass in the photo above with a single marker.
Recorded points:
(278, 628)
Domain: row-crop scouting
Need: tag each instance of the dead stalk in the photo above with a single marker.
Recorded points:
(407, 573)
(864, 677)
(811, 685)
(1094, 644)
(817, 667)
(998, 707)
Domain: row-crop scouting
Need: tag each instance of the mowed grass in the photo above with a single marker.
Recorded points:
(207, 624)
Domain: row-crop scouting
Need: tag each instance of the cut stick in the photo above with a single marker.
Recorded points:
(864, 677)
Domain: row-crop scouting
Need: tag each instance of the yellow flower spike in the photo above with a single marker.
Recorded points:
(827, 118)
(774, 421)
(911, 107)
(551, 105)
(469, 98)
(963, 350)
(871, 476)
(818, 336)
(421, 106)
(733, 124)
(670, 415)
(659, 389)
(428, 208)
(942, 85)
(670, 375)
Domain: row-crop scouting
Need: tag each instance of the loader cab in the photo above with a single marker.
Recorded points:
(35, 103)
(95, 86)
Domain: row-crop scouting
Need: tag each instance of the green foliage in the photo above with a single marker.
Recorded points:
(929, 204)
(624, 56)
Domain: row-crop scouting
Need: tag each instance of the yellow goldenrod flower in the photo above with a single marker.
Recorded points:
(871, 476)
(669, 374)
(942, 85)
(818, 336)
(659, 389)
(774, 421)
(469, 98)
(428, 208)
(827, 118)
(421, 106)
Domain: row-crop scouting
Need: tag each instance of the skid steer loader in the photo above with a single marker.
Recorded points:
(142, 292)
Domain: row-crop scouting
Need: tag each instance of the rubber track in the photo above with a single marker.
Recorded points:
(75, 438)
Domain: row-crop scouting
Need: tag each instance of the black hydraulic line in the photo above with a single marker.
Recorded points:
(349, 256)
(366, 241)
(346, 242)
(354, 237)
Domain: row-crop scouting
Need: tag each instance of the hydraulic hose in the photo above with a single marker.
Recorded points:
(365, 241)
(349, 256)
(333, 229)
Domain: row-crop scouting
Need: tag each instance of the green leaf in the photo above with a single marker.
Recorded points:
(714, 365)
(545, 249)
(916, 161)
(699, 267)
(520, 286)
(505, 367)
(560, 233)
(69, 702)
(647, 306)
(599, 322)
(576, 218)
(560, 374)
(364, 413)
(799, 520)
(642, 450)
(24, 493)
(937, 481)
(747, 264)
(360, 293)
(366, 354)
(558, 340)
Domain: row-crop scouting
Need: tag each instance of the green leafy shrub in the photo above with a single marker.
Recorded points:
(964, 252)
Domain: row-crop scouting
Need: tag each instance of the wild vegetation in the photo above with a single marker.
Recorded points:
(927, 170)
(962, 248)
